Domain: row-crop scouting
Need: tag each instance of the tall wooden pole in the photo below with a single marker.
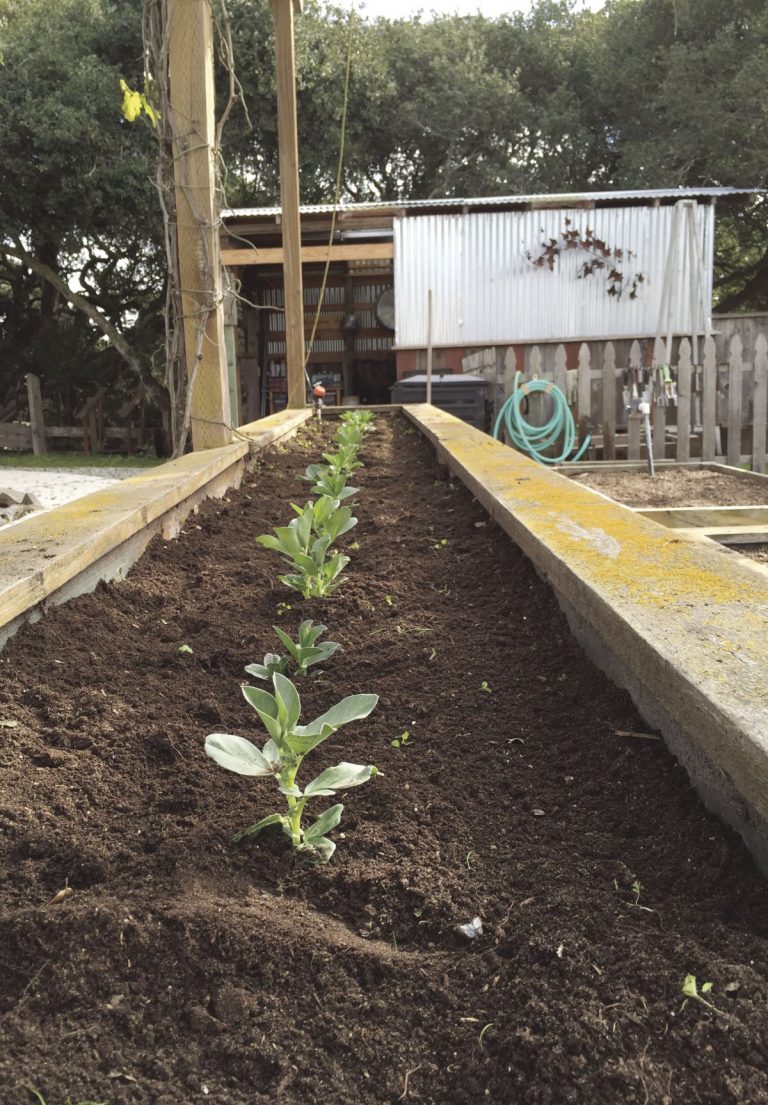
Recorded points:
(288, 140)
(190, 44)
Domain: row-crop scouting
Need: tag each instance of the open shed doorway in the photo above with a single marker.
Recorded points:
(351, 353)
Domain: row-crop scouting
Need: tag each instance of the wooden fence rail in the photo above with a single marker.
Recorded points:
(716, 409)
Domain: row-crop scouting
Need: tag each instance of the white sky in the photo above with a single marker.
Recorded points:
(403, 9)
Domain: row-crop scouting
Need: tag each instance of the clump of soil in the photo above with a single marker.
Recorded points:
(182, 968)
(677, 487)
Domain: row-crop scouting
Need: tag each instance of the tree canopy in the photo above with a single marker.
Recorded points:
(645, 93)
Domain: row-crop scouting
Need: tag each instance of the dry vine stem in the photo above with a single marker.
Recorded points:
(177, 139)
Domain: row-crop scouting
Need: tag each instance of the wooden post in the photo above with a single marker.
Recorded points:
(734, 401)
(659, 409)
(634, 420)
(36, 418)
(684, 401)
(609, 402)
(190, 59)
(429, 346)
(288, 141)
(561, 370)
(760, 404)
(536, 399)
(709, 400)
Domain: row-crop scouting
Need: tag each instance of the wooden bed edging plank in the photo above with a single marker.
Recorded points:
(681, 624)
(52, 556)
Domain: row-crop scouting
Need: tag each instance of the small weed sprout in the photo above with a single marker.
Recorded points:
(692, 991)
(283, 608)
(484, 687)
(282, 756)
(185, 650)
(405, 740)
(441, 544)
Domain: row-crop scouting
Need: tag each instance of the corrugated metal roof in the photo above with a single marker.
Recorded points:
(538, 199)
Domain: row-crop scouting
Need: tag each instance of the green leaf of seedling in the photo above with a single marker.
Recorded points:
(269, 542)
(254, 830)
(286, 697)
(185, 649)
(285, 639)
(292, 791)
(353, 708)
(297, 583)
(309, 632)
(324, 823)
(305, 563)
(301, 743)
(261, 700)
(319, 851)
(334, 566)
(319, 550)
(271, 752)
(237, 754)
(341, 777)
(303, 526)
(258, 670)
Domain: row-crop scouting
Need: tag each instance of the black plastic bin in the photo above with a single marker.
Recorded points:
(462, 396)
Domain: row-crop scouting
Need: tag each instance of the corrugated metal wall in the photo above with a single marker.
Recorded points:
(486, 289)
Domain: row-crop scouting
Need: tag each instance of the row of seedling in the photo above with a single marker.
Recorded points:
(315, 571)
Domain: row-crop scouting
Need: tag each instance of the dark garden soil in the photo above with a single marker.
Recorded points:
(677, 487)
(758, 551)
(182, 968)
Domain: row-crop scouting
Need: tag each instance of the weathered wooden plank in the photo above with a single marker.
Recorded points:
(760, 404)
(684, 401)
(735, 368)
(349, 251)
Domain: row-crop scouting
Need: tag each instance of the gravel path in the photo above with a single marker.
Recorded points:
(53, 487)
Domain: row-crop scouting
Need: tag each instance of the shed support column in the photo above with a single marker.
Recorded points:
(190, 45)
(288, 142)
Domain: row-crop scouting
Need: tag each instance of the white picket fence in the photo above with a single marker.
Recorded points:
(716, 403)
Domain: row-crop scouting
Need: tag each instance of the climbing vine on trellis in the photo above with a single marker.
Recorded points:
(602, 258)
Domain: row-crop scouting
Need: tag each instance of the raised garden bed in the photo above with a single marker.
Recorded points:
(695, 487)
(183, 968)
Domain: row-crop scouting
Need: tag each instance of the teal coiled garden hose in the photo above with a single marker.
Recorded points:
(535, 440)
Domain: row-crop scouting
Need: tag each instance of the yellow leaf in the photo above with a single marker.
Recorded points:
(131, 106)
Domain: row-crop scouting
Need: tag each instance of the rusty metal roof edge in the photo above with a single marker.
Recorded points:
(540, 199)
